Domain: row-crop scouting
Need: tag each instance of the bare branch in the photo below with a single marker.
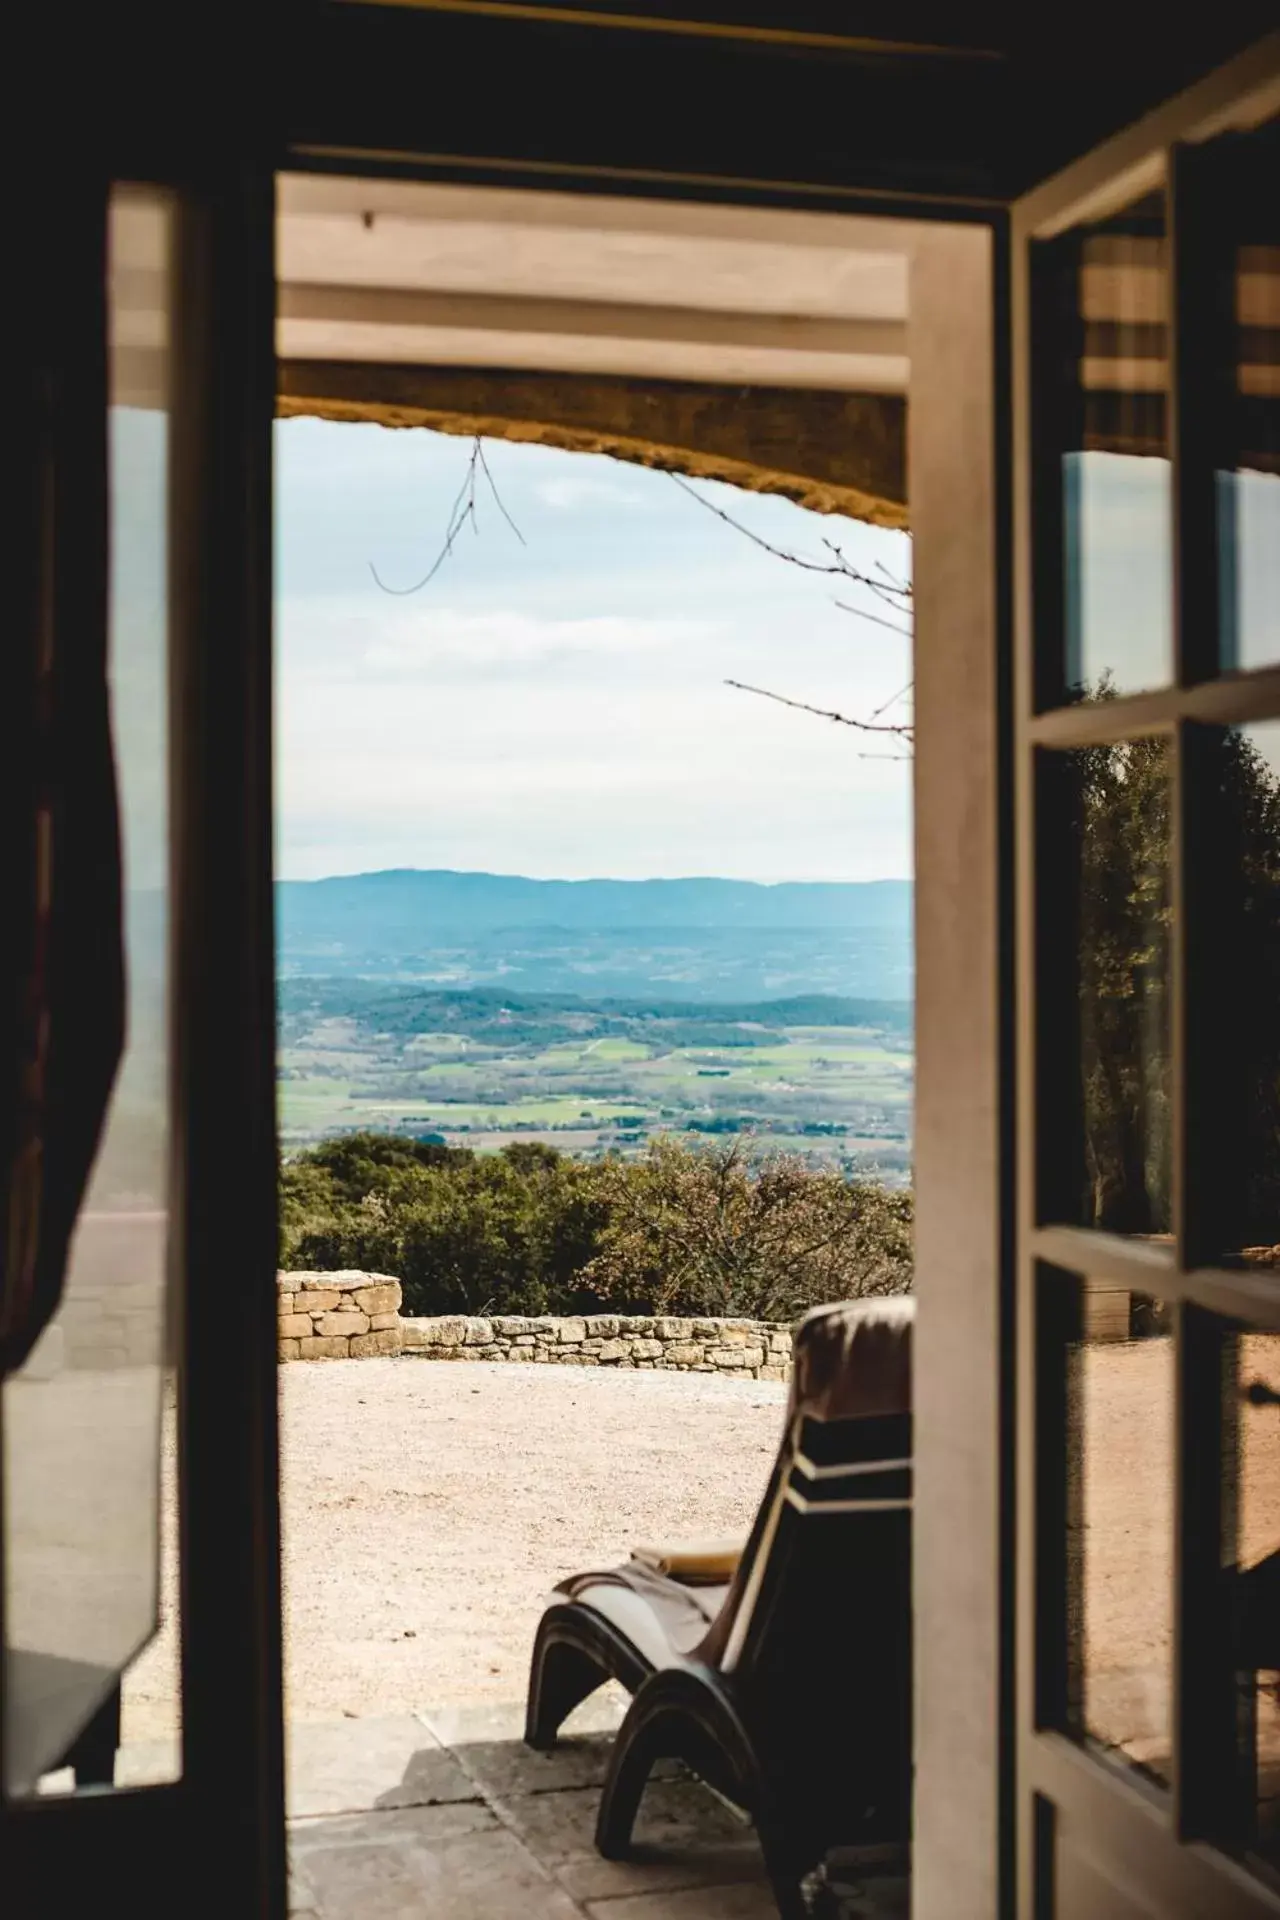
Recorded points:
(462, 511)
(875, 618)
(893, 700)
(493, 488)
(903, 587)
(900, 729)
(895, 596)
(836, 565)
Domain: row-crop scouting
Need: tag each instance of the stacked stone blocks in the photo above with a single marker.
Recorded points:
(338, 1316)
(760, 1349)
(351, 1316)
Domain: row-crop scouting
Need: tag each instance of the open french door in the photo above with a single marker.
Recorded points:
(1146, 332)
(137, 1300)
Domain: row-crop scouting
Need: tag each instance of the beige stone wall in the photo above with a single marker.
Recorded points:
(760, 1349)
(350, 1315)
(337, 1316)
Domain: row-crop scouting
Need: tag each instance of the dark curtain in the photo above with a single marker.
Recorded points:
(61, 950)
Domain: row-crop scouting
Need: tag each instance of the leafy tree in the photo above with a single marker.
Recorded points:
(1246, 933)
(701, 1230)
(465, 1233)
(1120, 817)
(531, 1230)
(1122, 960)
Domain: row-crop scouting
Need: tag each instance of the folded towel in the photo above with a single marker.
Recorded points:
(695, 1563)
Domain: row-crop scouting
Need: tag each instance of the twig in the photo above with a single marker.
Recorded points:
(501, 503)
(837, 564)
(900, 695)
(875, 618)
(891, 594)
(462, 511)
(901, 730)
(903, 587)
(459, 514)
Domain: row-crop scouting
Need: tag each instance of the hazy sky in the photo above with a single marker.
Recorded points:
(559, 708)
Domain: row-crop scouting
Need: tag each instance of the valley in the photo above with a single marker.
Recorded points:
(826, 1076)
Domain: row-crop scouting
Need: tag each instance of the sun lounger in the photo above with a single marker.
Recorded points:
(780, 1674)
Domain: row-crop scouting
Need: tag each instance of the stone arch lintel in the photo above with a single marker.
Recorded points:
(832, 452)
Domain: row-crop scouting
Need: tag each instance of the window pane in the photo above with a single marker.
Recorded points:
(83, 1417)
(1248, 477)
(1118, 569)
(1120, 1525)
(1105, 963)
(1251, 1558)
(1103, 382)
(1243, 914)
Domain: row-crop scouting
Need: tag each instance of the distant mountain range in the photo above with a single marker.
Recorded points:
(407, 899)
(692, 939)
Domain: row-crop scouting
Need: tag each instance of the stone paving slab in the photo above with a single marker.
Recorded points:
(446, 1814)
(149, 1763)
(473, 1721)
(685, 1837)
(315, 1844)
(750, 1901)
(349, 1766)
(502, 1768)
(449, 1863)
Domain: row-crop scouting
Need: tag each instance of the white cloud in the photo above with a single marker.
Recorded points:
(442, 638)
(564, 710)
(568, 491)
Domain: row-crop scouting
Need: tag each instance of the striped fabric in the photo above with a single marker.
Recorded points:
(1122, 368)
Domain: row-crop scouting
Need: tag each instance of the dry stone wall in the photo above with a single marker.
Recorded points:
(337, 1316)
(349, 1315)
(760, 1349)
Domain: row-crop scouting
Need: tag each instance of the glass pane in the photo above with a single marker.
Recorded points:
(1105, 349)
(83, 1418)
(1120, 1526)
(1106, 936)
(1118, 570)
(1249, 474)
(1244, 915)
(1251, 1557)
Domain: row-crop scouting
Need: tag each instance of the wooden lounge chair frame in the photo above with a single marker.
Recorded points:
(796, 1704)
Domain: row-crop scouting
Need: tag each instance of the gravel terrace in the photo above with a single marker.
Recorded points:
(430, 1507)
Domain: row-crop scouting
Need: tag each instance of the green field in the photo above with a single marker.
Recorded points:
(596, 1079)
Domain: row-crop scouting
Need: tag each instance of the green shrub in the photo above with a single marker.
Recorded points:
(686, 1229)
(705, 1230)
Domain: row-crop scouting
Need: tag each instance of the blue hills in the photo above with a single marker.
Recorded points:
(691, 940)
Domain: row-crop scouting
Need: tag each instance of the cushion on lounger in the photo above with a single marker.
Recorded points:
(663, 1620)
(694, 1563)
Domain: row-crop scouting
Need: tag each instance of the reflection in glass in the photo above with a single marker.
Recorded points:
(1249, 419)
(1249, 544)
(1120, 1526)
(1251, 1558)
(1246, 935)
(1118, 572)
(1119, 802)
(1117, 580)
(83, 1418)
